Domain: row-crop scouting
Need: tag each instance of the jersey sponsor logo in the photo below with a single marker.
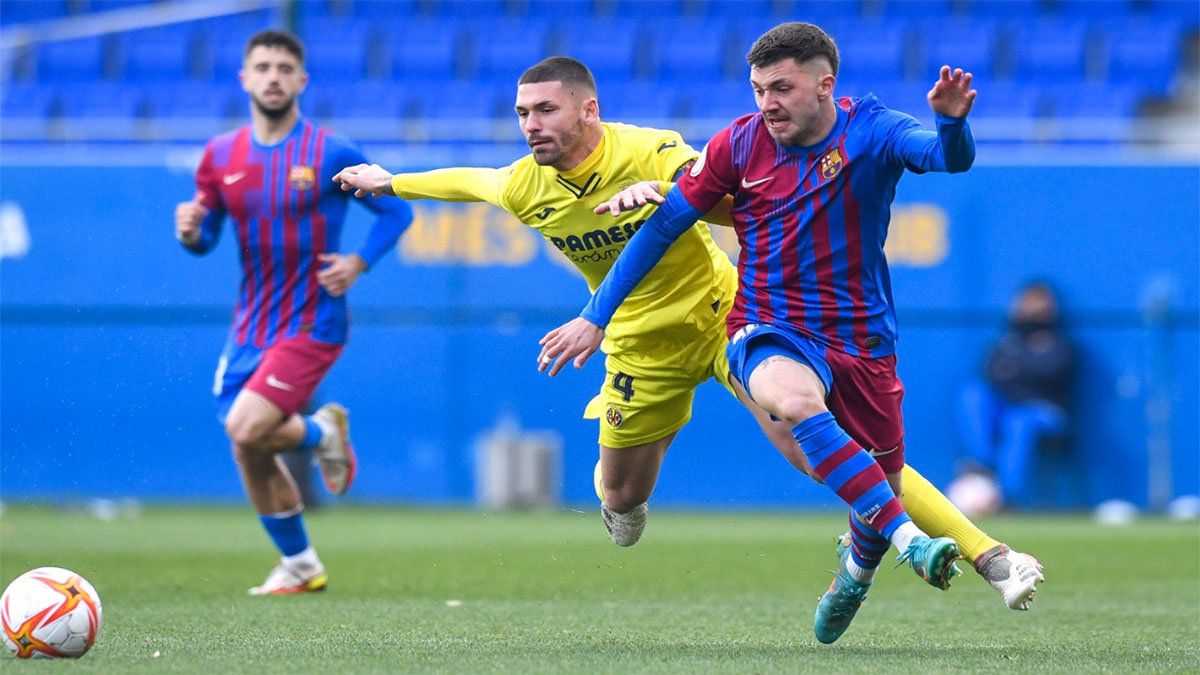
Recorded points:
(302, 177)
(273, 381)
(749, 184)
(597, 238)
(699, 165)
(880, 453)
(668, 145)
(233, 177)
(545, 213)
(613, 416)
(831, 164)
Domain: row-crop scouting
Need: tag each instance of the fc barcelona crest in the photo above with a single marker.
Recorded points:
(614, 417)
(302, 178)
(831, 163)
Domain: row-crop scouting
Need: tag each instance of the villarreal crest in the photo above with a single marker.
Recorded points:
(614, 417)
(302, 177)
(831, 163)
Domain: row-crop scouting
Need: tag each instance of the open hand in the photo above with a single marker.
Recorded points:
(577, 339)
(952, 95)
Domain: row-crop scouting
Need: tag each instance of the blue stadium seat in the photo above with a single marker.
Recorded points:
(736, 9)
(559, 10)
(181, 100)
(968, 44)
(689, 50)
(905, 97)
(870, 49)
(363, 100)
(1049, 50)
(458, 99)
(1092, 99)
(108, 100)
(914, 9)
(107, 5)
(465, 9)
(505, 48)
(635, 102)
(814, 11)
(640, 9)
(608, 47)
(161, 53)
(1010, 10)
(422, 49)
(1186, 11)
(337, 49)
(1146, 52)
(25, 11)
(222, 43)
(25, 100)
(725, 101)
(1006, 100)
(310, 11)
(76, 60)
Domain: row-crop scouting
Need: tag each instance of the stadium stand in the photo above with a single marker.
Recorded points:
(674, 59)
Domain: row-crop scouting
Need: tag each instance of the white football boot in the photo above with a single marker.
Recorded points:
(625, 528)
(286, 579)
(1014, 575)
(335, 454)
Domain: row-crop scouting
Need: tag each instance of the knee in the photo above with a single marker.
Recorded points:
(245, 437)
(794, 407)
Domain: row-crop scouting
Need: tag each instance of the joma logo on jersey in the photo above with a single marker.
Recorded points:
(831, 163)
(597, 238)
(302, 177)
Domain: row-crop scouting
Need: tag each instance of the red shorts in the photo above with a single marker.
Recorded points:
(291, 369)
(865, 399)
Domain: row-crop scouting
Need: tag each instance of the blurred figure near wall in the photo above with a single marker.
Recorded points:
(1020, 404)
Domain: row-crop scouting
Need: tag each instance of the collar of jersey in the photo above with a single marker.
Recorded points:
(838, 125)
(588, 166)
(295, 130)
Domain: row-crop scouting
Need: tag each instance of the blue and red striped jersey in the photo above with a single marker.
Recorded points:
(812, 220)
(287, 210)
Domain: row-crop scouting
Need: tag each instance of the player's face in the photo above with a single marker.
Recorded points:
(273, 77)
(552, 118)
(789, 96)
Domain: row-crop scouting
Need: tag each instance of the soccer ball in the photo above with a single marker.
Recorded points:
(975, 495)
(50, 613)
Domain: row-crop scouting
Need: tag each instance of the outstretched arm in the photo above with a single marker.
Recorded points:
(459, 184)
(952, 147)
(580, 338)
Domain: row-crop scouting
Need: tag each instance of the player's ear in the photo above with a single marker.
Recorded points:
(303, 81)
(591, 110)
(825, 86)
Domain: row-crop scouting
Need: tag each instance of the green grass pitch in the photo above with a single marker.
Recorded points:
(471, 592)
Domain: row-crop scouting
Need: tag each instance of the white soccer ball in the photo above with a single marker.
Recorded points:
(50, 613)
(975, 495)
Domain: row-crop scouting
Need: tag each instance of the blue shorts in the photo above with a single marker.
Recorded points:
(236, 365)
(755, 343)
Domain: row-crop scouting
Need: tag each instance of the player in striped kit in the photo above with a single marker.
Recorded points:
(812, 330)
(273, 178)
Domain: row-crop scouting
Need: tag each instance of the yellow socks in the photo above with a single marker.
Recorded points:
(934, 514)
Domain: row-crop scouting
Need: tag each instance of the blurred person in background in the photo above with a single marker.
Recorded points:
(1020, 404)
(273, 177)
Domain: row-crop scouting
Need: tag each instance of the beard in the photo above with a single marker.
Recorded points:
(559, 147)
(274, 113)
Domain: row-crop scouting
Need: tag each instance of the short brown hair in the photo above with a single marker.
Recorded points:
(277, 38)
(560, 69)
(797, 40)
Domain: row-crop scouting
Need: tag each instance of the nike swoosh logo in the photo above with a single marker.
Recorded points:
(234, 177)
(870, 520)
(881, 453)
(750, 184)
(273, 381)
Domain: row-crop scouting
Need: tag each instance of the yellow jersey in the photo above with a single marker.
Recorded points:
(677, 300)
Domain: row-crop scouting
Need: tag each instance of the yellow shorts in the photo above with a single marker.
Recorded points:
(647, 391)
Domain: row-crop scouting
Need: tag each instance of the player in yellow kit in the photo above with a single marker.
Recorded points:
(669, 336)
